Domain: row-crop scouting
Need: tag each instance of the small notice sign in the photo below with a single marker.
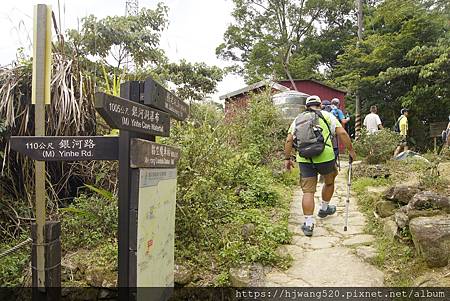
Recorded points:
(123, 114)
(436, 128)
(66, 148)
(146, 154)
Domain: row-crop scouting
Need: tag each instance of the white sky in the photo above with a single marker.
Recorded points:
(196, 28)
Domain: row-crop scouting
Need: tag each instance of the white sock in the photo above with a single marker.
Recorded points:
(324, 205)
(309, 220)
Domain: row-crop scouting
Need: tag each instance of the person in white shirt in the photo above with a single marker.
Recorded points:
(372, 121)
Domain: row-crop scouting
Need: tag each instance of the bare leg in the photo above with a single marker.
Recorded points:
(327, 191)
(328, 187)
(397, 151)
(308, 203)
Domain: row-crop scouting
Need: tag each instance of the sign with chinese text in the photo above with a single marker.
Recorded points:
(159, 97)
(436, 128)
(66, 148)
(127, 115)
(146, 154)
(156, 227)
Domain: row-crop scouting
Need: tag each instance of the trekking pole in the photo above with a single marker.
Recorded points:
(338, 158)
(349, 183)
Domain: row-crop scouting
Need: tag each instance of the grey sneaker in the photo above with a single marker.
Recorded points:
(330, 211)
(308, 230)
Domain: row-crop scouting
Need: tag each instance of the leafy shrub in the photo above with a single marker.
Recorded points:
(445, 153)
(12, 266)
(429, 176)
(89, 221)
(377, 148)
(260, 129)
(261, 245)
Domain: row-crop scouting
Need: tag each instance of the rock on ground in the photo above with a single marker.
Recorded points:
(247, 276)
(438, 277)
(336, 267)
(385, 208)
(401, 193)
(362, 239)
(427, 200)
(431, 237)
(366, 252)
(401, 218)
(182, 275)
(390, 228)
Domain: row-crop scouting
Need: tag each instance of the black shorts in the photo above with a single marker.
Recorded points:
(308, 170)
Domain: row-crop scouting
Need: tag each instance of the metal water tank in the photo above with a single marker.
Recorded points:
(291, 103)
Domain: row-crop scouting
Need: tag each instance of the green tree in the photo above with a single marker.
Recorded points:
(193, 80)
(123, 36)
(338, 28)
(267, 34)
(402, 62)
(137, 38)
(286, 39)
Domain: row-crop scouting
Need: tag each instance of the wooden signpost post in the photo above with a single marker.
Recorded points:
(147, 178)
(43, 275)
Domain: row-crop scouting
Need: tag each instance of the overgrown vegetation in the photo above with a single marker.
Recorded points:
(397, 257)
(377, 148)
(14, 266)
(232, 200)
(224, 183)
(81, 65)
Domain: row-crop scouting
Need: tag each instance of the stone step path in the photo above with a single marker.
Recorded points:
(331, 257)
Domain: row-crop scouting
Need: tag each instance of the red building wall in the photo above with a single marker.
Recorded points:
(310, 87)
(235, 104)
(315, 88)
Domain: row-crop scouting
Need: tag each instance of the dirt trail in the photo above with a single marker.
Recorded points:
(328, 258)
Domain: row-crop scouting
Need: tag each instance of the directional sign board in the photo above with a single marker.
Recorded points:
(436, 128)
(127, 115)
(66, 148)
(159, 97)
(146, 154)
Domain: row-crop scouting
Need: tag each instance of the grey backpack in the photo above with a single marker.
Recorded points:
(308, 138)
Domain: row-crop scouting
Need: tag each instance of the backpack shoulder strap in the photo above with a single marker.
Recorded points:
(318, 113)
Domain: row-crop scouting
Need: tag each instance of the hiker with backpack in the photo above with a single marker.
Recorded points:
(401, 127)
(310, 134)
(338, 112)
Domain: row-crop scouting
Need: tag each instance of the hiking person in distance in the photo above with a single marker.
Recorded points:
(338, 112)
(326, 105)
(343, 121)
(446, 134)
(311, 132)
(372, 121)
(401, 126)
